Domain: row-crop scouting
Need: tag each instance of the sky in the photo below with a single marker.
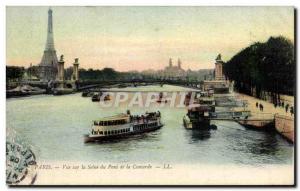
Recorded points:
(141, 38)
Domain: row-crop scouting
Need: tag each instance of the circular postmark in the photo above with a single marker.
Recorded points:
(19, 160)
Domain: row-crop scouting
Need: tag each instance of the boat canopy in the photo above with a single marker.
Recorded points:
(122, 119)
(114, 118)
(199, 107)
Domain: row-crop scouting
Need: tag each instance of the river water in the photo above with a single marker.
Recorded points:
(55, 125)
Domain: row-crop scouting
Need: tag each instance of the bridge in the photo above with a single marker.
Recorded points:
(81, 85)
(89, 84)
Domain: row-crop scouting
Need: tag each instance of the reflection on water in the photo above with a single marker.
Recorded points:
(55, 126)
(199, 135)
(267, 144)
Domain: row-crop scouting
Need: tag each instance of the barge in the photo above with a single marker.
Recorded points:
(24, 90)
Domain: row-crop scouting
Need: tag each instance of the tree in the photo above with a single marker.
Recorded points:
(68, 72)
(264, 68)
(105, 74)
(14, 73)
(33, 71)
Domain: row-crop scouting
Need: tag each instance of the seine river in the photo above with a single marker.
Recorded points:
(54, 126)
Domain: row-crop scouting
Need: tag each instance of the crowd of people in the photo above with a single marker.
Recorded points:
(144, 118)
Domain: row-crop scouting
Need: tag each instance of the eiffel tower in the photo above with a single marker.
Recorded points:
(48, 65)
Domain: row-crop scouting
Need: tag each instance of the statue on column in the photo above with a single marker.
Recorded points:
(219, 58)
(61, 58)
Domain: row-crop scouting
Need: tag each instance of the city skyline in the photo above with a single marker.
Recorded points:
(141, 38)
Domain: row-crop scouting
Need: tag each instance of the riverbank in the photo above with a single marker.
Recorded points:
(267, 106)
(284, 120)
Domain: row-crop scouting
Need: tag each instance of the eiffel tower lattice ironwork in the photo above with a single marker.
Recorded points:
(48, 65)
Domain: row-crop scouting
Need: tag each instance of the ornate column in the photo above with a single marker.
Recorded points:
(75, 70)
(60, 68)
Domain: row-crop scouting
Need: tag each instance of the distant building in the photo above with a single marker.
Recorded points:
(48, 66)
(172, 72)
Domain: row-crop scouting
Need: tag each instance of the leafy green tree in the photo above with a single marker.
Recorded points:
(14, 73)
(264, 68)
(33, 70)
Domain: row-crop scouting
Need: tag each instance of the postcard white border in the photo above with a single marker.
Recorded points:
(5, 3)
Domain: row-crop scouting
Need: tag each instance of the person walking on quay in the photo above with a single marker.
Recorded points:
(275, 104)
(286, 108)
(292, 111)
(256, 104)
(261, 107)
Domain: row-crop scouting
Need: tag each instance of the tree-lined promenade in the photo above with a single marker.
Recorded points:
(267, 71)
(264, 70)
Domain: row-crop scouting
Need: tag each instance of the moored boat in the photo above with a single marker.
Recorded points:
(123, 125)
(257, 124)
(107, 97)
(257, 121)
(87, 93)
(199, 110)
(63, 91)
(96, 96)
(198, 117)
(24, 90)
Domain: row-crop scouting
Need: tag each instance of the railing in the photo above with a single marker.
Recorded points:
(252, 116)
(285, 117)
(269, 116)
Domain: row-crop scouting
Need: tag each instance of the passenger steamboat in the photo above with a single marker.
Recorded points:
(199, 112)
(123, 125)
(198, 117)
